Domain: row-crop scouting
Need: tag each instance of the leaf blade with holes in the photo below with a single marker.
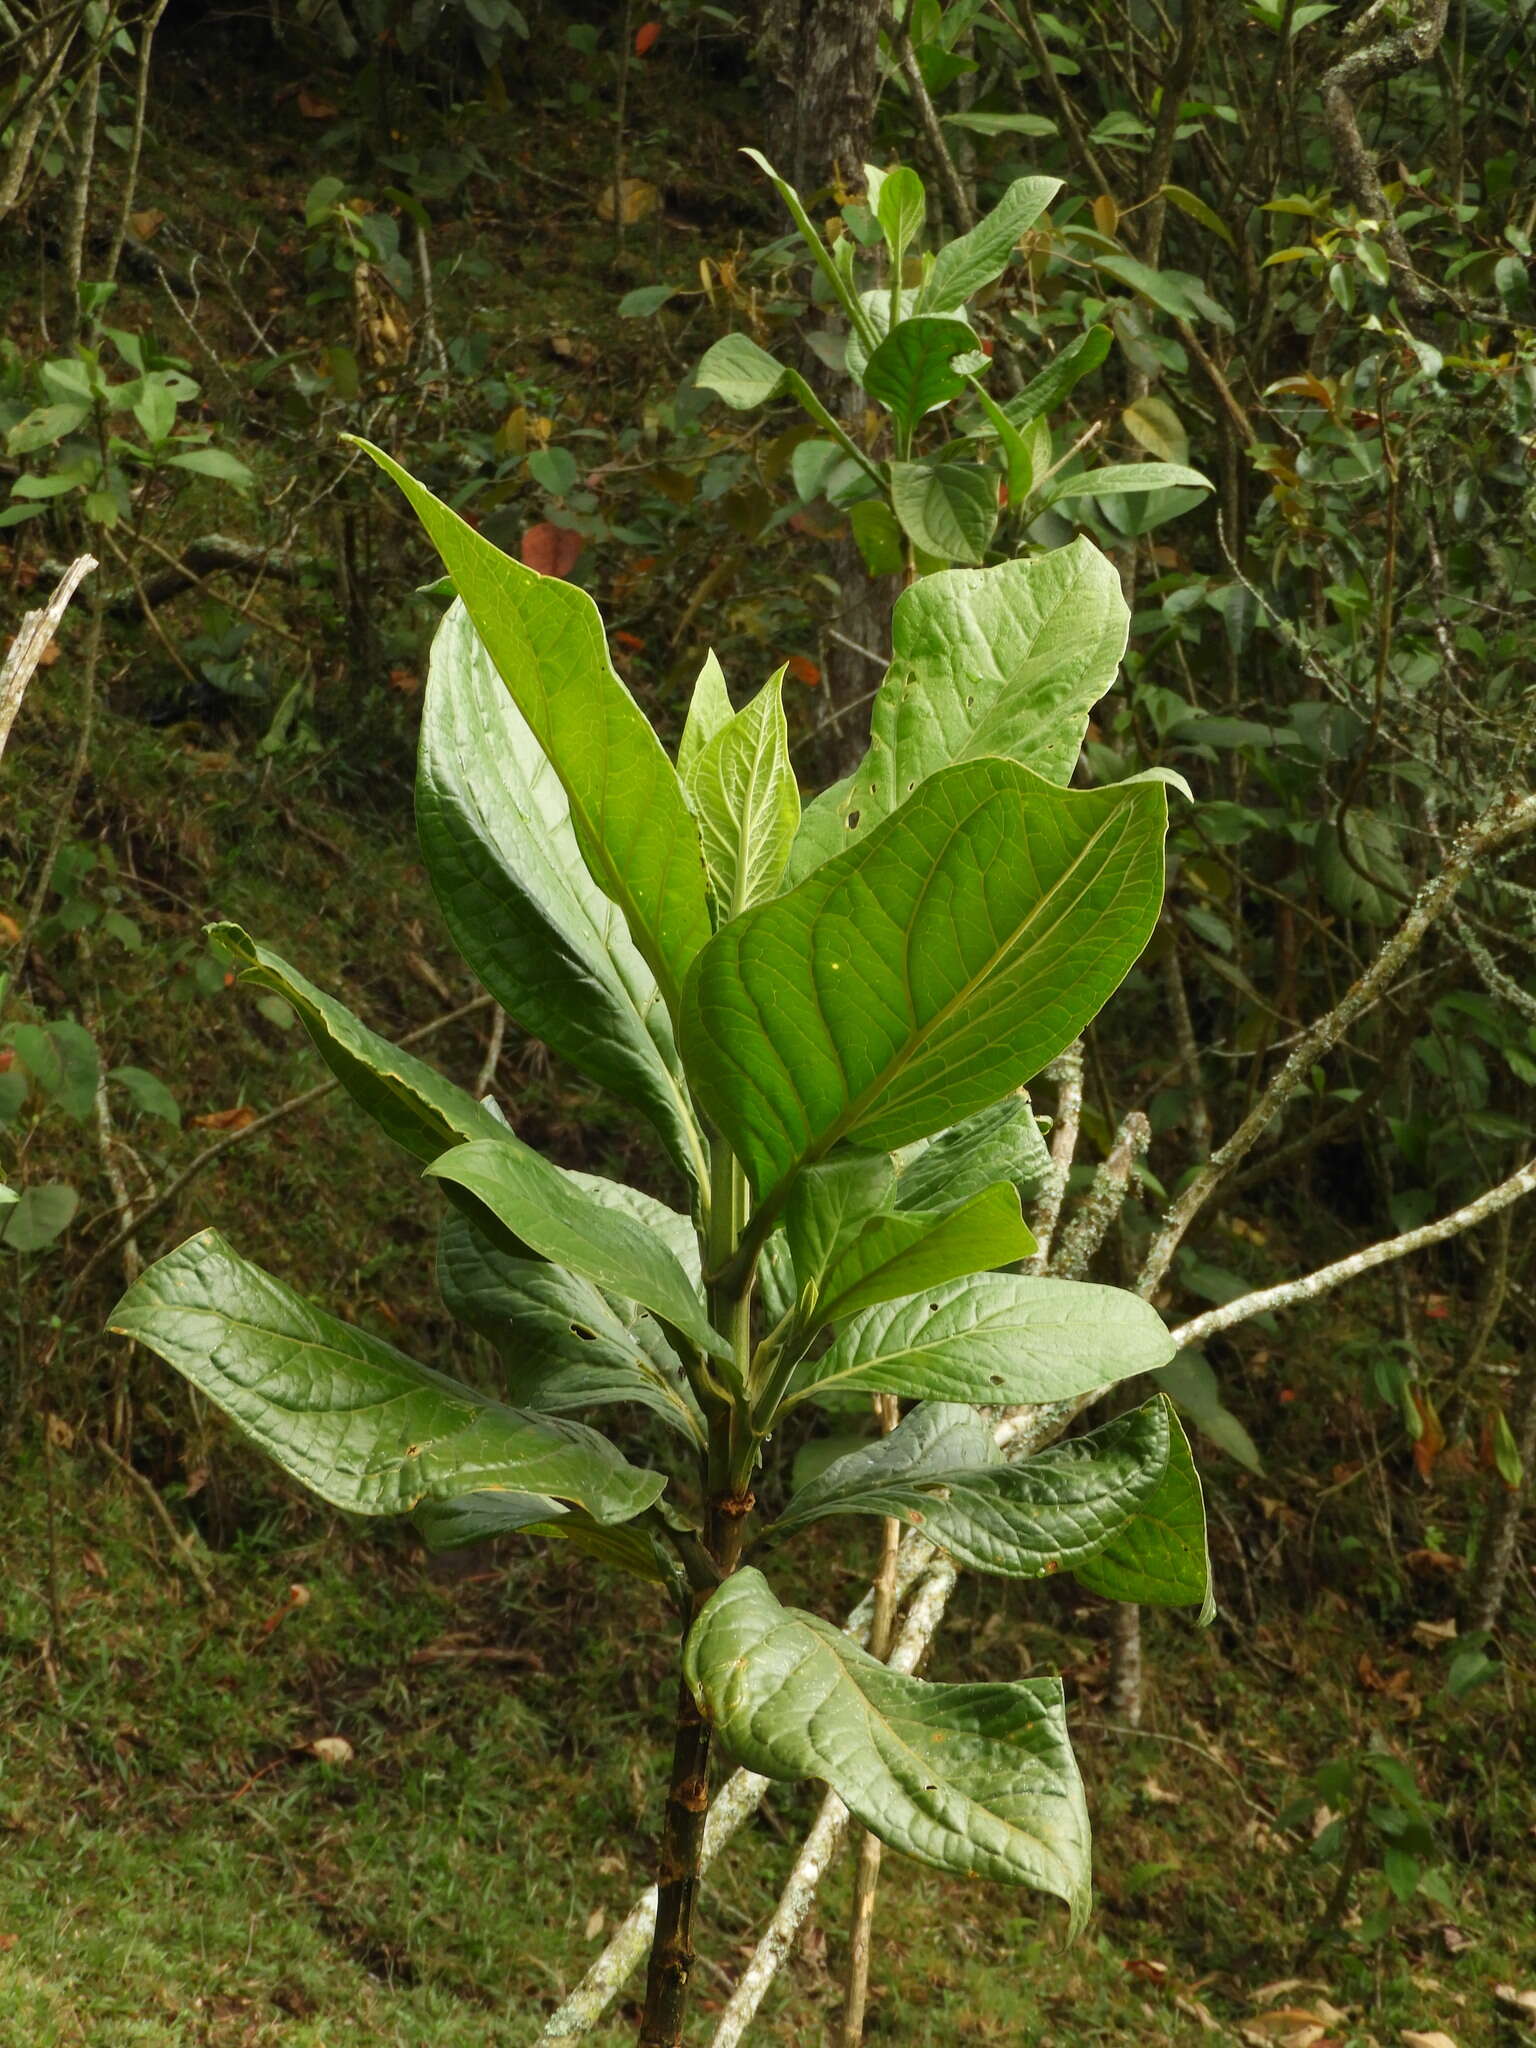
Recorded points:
(535, 929)
(1005, 661)
(551, 1212)
(346, 1414)
(934, 966)
(993, 1340)
(976, 1779)
(546, 639)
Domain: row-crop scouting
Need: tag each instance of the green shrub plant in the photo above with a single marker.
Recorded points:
(828, 1018)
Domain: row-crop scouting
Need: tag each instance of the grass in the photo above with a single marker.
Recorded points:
(178, 1869)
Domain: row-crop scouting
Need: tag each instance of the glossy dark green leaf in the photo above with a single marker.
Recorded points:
(1005, 661)
(636, 832)
(910, 372)
(995, 1339)
(948, 509)
(1160, 1558)
(1001, 1142)
(975, 1779)
(936, 964)
(1118, 1506)
(410, 1101)
(554, 1215)
(346, 1414)
(481, 1517)
(566, 1346)
(539, 934)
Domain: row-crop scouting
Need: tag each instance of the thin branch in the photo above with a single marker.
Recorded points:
(1326, 1278)
(1509, 814)
(1105, 1199)
(1067, 1072)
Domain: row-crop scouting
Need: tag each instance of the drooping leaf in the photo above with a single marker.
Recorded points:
(936, 964)
(971, 261)
(1152, 423)
(566, 1346)
(1119, 1507)
(540, 935)
(709, 709)
(976, 1779)
(480, 1517)
(1361, 868)
(1192, 1386)
(1005, 661)
(741, 373)
(1002, 1142)
(346, 1414)
(995, 1339)
(948, 509)
(1160, 1557)
(62, 1060)
(743, 790)
(634, 828)
(1047, 390)
(39, 1214)
(911, 371)
(899, 1253)
(1178, 292)
(410, 1101)
(550, 1212)
(148, 1093)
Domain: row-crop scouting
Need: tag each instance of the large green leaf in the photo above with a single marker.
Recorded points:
(1046, 390)
(908, 1249)
(976, 1779)
(480, 1517)
(748, 804)
(995, 1339)
(1079, 1506)
(740, 372)
(566, 1345)
(910, 372)
(1001, 1142)
(1124, 480)
(948, 509)
(406, 1098)
(346, 1414)
(971, 261)
(1160, 1558)
(554, 1215)
(636, 832)
(1005, 661)
(936, 964)
(829, 1205)
(548, 943)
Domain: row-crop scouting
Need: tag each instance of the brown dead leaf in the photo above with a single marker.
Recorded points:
(1412, 2038)
(10, 930)
(637, 200)
(1433, 1633)
(1194, 2009)
(1520, 2005)
(90, 1561)
(237, 1119)
(1159, 1795)
(8, 1941)
(1286, 2027)
(330, 1749)
(313, 108)
(1282, 1988)
(1428, 1564)
(1454, 1939)
(596, 1922)
(145, 223)
(405, 680)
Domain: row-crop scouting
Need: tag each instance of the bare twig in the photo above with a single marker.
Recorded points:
(1066, 1070)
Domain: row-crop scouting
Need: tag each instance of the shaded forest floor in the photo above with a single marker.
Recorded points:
(176, 1866)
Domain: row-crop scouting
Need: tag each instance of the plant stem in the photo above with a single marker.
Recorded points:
(678, 1868)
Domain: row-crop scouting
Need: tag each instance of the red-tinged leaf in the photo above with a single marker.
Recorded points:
(804, 670)
(552, 550)
(313, 108)
(226, 1119)
(1430, 1441)
(633, 642)
(646, 36)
